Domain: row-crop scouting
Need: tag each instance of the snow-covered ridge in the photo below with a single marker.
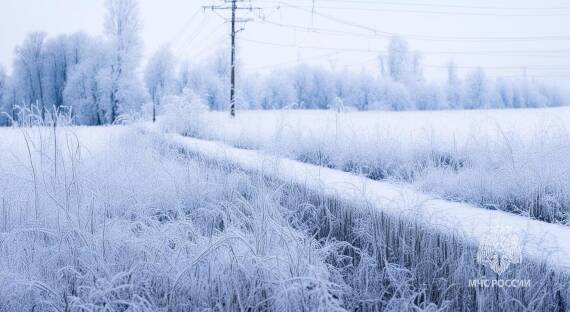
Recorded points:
(540, 241)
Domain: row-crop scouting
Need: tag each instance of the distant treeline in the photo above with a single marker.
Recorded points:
(98, 80)
(401, 85)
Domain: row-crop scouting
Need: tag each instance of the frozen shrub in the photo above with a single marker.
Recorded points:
(182, 113)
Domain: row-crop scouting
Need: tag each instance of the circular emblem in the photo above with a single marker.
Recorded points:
(500, 248)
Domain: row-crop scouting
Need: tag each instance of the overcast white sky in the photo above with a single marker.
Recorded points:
(293, 34)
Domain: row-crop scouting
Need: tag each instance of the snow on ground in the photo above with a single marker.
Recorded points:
(93, 140)
(106, 218)
(259, 128)
(541, 241)
(514, 160)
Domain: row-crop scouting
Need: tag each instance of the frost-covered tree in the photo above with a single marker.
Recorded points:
(552, 94)
(209, 84)
(56, 69)
(122, 28)
(183, 77)
(395, 96)
(3, 95)
(208, 80)
(79, 47)
(302, 83)
(428, 96)
(86, 92)
(63, 57)
(3, 82)
(159, 77)
(29, 70)
(502, 94)
(248, 95)
(43, 68)
(454, 86)
(357, 90)
(403, 65)
(324, 92)
(10, 101)
(277, 91)
(216, 82)
(532, 95)
(313, 86)
(417, 71)
(476, 90)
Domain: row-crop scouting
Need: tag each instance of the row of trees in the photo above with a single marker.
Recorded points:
(400, 86)
(99, 80)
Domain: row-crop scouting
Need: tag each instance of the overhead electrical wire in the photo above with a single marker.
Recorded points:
(185, 41)
(185, 27)
(417, 11)
(285, 45)
(376, 31)
(396, 9)
(323, 31)
(363, 50)
(432, 5)
(298, 60)
(315, 9)
(218, 40)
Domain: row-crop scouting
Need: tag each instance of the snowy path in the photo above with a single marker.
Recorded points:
(540, 240)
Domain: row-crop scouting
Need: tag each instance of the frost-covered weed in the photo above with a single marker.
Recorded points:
(507, 167)
(399, 263)
(125, 224)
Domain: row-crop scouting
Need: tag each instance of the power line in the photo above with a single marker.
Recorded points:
(417, 11)
(535, 67)
(196, 34)
(344, 33)
(373, 33)
(187, 24)
(380, 32)
(213, 43)
(286, 45)
(234, 19)
(185, 41)
(418, 4)
(361, 50)
(277, 65)
(323, 31)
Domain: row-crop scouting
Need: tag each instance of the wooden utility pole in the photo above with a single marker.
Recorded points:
(233, 57)
(234, 30)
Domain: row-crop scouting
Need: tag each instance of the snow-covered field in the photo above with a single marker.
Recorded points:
(406, 182)
(125, 219)
(513, 160)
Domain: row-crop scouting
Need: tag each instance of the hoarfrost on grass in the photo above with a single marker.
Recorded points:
(512, 160)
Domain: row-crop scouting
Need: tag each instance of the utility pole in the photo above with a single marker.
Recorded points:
(233, 69)
(234, 30)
